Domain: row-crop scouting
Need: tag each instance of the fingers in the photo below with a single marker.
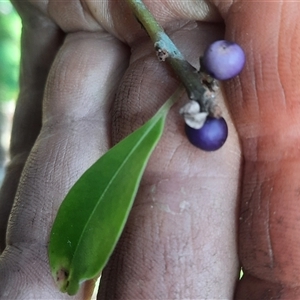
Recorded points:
(40, 42)
(117, 18)
(180, 239)
(265, 105)
(75, 132)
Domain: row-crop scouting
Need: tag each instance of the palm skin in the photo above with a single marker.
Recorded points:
(91, 71)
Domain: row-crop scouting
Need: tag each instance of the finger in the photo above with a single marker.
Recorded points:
(180, 239)
(80, 88)
(117, 18)
(40, 42)
(265, 106)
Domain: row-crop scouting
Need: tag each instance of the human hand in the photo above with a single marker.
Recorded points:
(181, 237)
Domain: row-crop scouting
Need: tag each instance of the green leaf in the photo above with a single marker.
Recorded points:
(91, 218)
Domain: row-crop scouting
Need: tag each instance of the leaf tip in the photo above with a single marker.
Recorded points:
(64, 282)
(61, 277)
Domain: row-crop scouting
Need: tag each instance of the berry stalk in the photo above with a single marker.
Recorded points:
(167, 51)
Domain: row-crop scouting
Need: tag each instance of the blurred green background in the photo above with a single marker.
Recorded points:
(10, 31)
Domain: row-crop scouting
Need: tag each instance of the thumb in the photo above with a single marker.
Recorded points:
(265, 108)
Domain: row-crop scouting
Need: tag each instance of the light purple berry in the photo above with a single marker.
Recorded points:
(223, 60)
(211, 136)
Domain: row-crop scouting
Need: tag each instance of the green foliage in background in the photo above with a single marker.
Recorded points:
(10, 31)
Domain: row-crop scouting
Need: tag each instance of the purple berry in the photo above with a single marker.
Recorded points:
(223, 60)
(211, 136)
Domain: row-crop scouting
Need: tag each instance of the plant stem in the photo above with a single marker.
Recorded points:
(167, 50)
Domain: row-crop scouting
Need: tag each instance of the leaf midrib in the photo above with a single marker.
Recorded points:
(110, 182)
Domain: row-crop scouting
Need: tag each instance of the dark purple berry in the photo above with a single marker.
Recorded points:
(223, 60)
(211, 136)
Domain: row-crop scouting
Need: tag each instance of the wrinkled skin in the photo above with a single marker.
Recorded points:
(89, 77)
